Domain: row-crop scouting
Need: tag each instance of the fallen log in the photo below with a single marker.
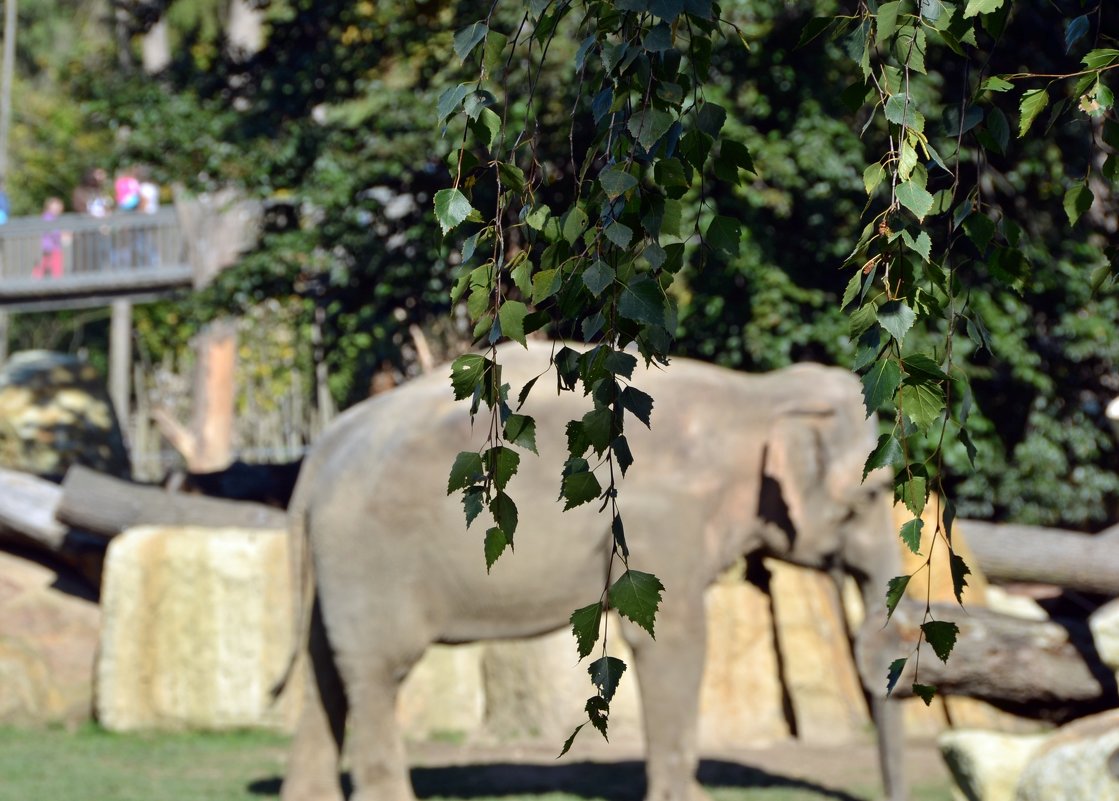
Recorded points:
(1047, 670)
(27, 521)
(104, 505)
(1009, 552)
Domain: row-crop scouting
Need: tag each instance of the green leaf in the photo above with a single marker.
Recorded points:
(512, 176)
(911, 534)
(923, 691)
(636, 595)
(879, 384)
(616, 182)
(658, 39)
(893, 674)
(887, 19)
(999, 128)
(473, 502)
(975, 7)
(644, 301)
(622, 454)
(913, 491)
(502, 463)
(494, 546)
(451, 208)
(545, 284)
(670, 174)
(598, 426)
(918, 366)
(467, 470)
(921, 244)
(895, 589)
(520, 429)
(571, 740)
(574, 223)
(862, 319)
(639, 404)
(969, 446)
(996, 84)
(1098, 59)
(941, 635)
(1078, 200)
(468, 38)
(873, 176)
(723, 235)
(887, 453)
(580, 488)
(450, 100)
(494, 50)
(585, 623)
(598, 711)
(512, 315)
(649, 125)
(606, 672)
(619, 534)
(598, 276)
(466, 374)
(504, 513)
(901, 110)
(896, 318)
(737, 154)
(1033, 102)
(980, 229)
(922, 403)
(959, 569)
(619, 234)
(915, 198)
(710, 119)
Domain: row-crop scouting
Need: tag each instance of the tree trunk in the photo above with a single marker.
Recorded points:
(7, 76)
(1005, 552)
(107, 506)
(1040, 669)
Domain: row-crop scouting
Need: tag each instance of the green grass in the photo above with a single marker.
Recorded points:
(93, 765)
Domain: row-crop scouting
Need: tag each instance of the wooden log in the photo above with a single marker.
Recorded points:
(105, 505)
(1007, 552)
(1040, 669)
(27, 522)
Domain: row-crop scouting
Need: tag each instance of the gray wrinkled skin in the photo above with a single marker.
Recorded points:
(734, 464)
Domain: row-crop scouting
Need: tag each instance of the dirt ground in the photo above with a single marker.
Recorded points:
(614, 772)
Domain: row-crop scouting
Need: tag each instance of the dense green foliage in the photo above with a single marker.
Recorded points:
(334, 121)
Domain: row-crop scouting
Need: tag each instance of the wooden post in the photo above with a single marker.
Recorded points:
(120, 360)
(5, 324)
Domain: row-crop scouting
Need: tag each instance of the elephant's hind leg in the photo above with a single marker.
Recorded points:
(669, 673)
(312, 772)
(378, 762)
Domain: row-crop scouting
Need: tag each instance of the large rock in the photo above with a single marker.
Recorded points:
(987, 765)
(1104, 624)
(55, 412)
(48, 640)
(1078, 762)
(818, 669)
(197, 627)
(443, 697)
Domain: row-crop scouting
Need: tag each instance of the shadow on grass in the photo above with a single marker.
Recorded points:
(612, 781)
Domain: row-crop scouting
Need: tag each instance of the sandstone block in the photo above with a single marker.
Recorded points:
(1104, 624)
(818, 669)
(985, 765)
(48, 640)
(1079, 761)
(197, 627)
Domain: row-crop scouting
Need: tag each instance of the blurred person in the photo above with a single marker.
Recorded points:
(51, 243)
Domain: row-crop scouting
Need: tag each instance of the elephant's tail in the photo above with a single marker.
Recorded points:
(303, 589)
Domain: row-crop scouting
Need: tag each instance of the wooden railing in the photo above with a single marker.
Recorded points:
(100, 257)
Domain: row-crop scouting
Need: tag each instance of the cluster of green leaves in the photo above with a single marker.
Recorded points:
(927, 224)
(605, 264)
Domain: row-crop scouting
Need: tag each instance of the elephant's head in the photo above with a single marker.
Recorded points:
(816, 508)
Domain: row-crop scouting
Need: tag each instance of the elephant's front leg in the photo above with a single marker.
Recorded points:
(378, 763)
(670, 670)
(312, 772)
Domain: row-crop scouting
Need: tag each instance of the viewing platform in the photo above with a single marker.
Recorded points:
(124, 256)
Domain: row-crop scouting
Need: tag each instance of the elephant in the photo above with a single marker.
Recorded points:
(734, 464)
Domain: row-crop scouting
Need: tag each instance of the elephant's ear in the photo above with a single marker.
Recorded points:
(794, 470)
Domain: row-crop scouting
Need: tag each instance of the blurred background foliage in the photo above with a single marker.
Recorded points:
(332, 122)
